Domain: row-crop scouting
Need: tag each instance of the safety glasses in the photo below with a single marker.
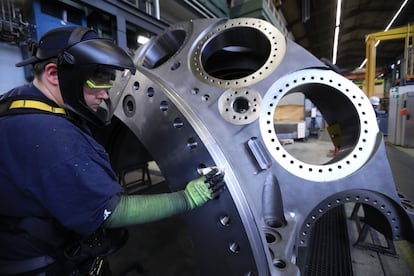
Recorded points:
(93, 85)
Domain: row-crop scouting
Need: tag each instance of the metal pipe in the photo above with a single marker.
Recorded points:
(157, 9)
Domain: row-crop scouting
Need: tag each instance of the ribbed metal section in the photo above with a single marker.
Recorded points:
(329, 253)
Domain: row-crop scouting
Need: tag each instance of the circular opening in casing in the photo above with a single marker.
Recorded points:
(129, 106)
(349, 116)
(235, 53)
(336, 124)
(164, 47)
(241, 105)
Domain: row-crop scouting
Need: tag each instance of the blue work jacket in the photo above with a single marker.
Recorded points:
(50, 168)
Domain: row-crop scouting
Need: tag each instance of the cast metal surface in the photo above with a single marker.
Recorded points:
(205, 95)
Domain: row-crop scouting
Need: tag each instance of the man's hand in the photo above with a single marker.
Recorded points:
(204, 188)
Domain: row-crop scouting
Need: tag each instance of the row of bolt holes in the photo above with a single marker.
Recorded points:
(279, 263)
(270, 238)
(357, 198)
(300, 166)
(192, 144)
(194, 91)
(151, 92)
(178, 123)
(235, 247)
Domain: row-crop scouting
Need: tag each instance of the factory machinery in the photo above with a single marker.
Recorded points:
(205, 95)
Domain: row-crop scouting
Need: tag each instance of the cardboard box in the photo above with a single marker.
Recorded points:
(289, 113)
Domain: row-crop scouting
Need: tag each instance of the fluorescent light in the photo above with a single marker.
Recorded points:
(142, 39)
(338, 13)
(363, 64)
(396, 15)
(387, 28)
(335, 46)
(336, 36)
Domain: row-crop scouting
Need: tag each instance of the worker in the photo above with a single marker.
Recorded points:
(375, 102)
(59, 195)
(335, 133)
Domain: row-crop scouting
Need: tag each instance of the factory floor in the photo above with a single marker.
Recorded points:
(164, 247)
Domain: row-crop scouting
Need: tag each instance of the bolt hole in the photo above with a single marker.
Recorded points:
(175, 66)
(192, 143)
(164, 106)
(150, 92)
(241, 105)
(279, 263)
(234, 247)
(205, 98)
(178, 123)
(136, 85)
(129, 106)
(194, 91)
(225, 220)
(270, 238)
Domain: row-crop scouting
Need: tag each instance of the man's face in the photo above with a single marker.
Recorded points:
(95, 91)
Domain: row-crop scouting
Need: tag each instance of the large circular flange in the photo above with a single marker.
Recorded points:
(238, 53)
(334, 94)
(240, 106)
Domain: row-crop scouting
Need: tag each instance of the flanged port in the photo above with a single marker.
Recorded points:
(238, 53)
(163, 48)
(240, 106)
(235, 53)
(344, 107)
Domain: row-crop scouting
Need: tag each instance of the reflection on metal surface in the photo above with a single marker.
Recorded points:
(205, 94)
(259, 152)
(164, 47)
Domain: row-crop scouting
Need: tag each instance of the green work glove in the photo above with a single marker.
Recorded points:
(204, 188)
(197, 192)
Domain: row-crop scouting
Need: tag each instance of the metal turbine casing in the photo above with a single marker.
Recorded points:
(205, 94)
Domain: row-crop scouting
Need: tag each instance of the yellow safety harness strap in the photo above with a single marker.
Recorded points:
(36, 105)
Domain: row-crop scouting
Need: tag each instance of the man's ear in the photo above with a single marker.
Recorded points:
(51, 74)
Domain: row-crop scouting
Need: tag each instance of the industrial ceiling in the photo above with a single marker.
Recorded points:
(359, 18)
(312, 24)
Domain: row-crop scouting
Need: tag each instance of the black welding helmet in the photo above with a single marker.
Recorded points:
(82, 54)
